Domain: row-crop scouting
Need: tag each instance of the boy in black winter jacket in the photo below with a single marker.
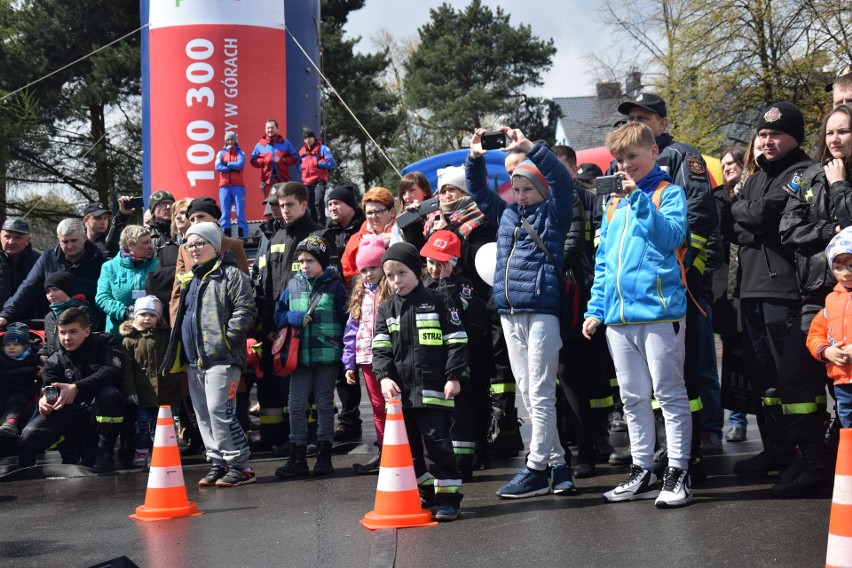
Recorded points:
(86, 371)
(19, 371)
(419, 353)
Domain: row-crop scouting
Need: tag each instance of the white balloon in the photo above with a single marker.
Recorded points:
(486, 262)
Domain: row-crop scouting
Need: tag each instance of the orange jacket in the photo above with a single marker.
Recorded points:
(832, 325)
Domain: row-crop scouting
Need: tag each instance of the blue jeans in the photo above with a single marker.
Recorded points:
(843, 395)
(321, 379)
(143, 433)
(233, 195)
(737, 419)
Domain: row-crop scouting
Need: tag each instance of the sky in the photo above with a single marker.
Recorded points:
(573, 25)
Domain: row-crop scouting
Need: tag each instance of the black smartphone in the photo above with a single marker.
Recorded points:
(408, 217)
(136, 203)
(493, 140)
(604, 185)
(51, 394)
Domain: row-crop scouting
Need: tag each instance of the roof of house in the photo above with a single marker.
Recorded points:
(586, 121)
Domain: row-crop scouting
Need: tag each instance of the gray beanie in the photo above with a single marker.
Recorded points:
(208, 231)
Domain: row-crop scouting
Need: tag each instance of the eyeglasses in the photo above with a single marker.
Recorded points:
(195, 246)
(375, 212)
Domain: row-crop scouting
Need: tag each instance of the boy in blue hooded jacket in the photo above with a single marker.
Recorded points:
(639, 293)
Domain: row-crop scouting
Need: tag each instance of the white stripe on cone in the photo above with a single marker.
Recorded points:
(842, 490)
(165, 412)
(839, 551)
(164, 437)
(165, 477)
(394, 479)
(395, 434)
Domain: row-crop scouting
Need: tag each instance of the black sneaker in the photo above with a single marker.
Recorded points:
(216, 473)
(346, 434)
(236, 477)
(767, 463)
(446, 513)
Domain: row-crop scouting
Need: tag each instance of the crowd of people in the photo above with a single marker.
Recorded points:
(600, 313)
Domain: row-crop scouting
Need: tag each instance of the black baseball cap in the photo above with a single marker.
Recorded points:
(17, 226)
(648, 101)
(96, 208)
(588, 172)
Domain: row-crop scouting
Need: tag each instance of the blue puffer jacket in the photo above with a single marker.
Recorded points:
(524, 279)
(637, 274)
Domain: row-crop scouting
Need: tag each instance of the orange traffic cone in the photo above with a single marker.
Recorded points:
(839, 552)
(397, 499)
(166, 494)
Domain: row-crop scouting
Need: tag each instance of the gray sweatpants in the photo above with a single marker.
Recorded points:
(214, 398)
(533, 342)
(649, 363)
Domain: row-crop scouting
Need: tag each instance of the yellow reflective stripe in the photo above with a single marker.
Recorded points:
(821, 399)
(109, 419)
(654, 404)
(379, 343)
(613, 382)
(426, 480)
(394, 328)
(695, 405)
(455, 337)
(605, 402)
(447, 485)
(266, 419)
(800, 408)
(59, 441)
(697, 241)
(261, 262)
(502, 388)
(700, 263)
(278, 247)
(427, 323)
(771, 401)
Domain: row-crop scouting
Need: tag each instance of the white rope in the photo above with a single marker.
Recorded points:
(52, 73)
(349, 110)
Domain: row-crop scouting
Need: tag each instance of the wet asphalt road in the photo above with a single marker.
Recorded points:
(314, 523)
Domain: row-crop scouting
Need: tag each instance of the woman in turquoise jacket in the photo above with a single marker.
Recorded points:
(122, 279)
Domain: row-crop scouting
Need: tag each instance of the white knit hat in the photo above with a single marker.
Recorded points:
(454, 176)
(148, 305)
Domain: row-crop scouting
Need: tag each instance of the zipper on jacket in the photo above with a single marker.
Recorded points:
(618, 271)
(768, 267)
(660, 292)
(506, 276)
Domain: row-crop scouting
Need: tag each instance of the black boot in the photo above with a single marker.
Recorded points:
(105, 459)
(371, 466)
(778, 453)
(323, 465)
(809, 476)
(297, 464)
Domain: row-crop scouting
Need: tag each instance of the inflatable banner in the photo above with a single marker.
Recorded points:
(208, 67)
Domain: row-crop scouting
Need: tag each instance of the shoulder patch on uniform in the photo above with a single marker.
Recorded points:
(466, 291)
(454, 316)
(794, 186)
(696, 165)
(116, 361)
(69, 374)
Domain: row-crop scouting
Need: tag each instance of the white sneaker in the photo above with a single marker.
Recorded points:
(677, 489)
(639, 484)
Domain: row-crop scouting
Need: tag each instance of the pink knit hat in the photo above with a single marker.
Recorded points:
(370, 251)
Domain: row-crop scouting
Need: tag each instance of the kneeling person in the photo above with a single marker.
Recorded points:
(86, 372)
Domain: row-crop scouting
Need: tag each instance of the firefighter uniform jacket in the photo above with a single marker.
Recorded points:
(420, 344)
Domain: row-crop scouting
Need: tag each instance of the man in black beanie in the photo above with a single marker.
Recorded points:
(769, 293)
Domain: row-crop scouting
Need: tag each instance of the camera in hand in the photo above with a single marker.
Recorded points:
(51, 394)
(493, 140)
(408, 217)
(136, 203)
(605, 185)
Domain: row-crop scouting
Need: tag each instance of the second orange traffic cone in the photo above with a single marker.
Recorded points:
(839, 551)
(166, 494)
(397, 499)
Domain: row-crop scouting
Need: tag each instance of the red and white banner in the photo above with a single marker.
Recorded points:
(215, 66)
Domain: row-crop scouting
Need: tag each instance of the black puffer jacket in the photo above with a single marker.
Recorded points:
(812, 217)
(12, 275)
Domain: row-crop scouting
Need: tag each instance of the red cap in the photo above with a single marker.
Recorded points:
(442, 245)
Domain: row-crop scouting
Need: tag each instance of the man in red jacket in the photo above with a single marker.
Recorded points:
(315, 161)
(273, 155)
